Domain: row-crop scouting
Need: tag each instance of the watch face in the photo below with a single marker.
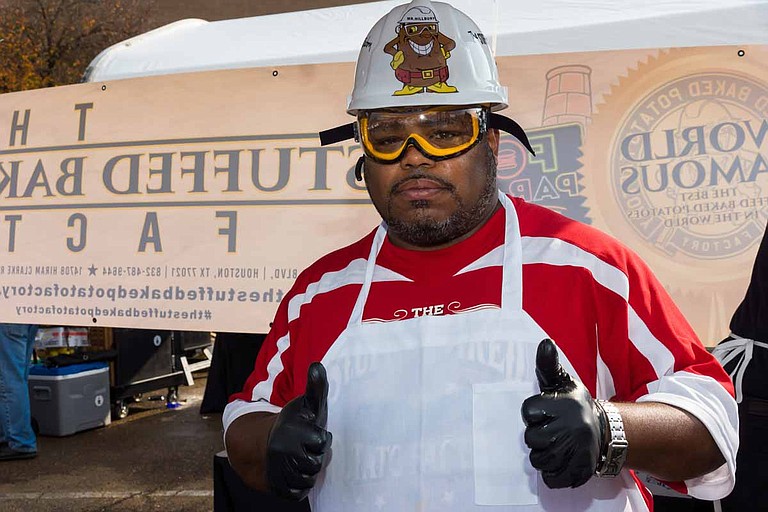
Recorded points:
(615, 458)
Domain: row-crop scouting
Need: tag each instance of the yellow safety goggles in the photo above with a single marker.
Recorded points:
(438, 133)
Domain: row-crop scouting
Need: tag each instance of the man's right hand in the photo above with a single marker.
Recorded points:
(298, 440)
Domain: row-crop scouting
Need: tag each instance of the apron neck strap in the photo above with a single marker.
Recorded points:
(378, 240)
(512, 270)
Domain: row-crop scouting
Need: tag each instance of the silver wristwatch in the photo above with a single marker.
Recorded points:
(615, 443)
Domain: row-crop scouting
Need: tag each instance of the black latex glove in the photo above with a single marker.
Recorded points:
(562, 424)
(298, 440)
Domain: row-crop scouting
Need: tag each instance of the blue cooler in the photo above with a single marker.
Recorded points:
(68, 399)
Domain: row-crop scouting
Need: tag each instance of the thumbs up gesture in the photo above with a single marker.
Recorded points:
(563, 425)
(298, 440)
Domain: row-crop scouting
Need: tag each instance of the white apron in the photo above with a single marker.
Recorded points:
(425, 412)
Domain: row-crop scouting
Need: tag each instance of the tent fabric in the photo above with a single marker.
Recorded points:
(513, 28)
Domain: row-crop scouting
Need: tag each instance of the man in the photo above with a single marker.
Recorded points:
(744, 354)
(397, 368)
(17, 439)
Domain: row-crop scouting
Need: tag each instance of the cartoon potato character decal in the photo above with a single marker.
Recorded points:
(419, 53)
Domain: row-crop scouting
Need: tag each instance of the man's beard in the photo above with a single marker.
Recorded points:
(428, 232)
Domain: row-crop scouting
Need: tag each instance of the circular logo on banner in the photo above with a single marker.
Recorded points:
(98, 400)
(675, 166)
(685, 173)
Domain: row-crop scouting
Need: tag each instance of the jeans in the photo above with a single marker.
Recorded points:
(16, 344)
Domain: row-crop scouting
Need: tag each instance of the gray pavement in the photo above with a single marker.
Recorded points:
(155, 459)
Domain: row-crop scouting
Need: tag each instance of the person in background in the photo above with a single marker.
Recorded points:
(744, 355)
(414, 370)
(17, 439)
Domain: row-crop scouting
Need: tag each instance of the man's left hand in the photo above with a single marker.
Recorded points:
(562, 424)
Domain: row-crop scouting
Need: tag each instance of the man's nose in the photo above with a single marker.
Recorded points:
(413, 159)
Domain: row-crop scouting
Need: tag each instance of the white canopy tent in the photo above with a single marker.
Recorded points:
(515, 27)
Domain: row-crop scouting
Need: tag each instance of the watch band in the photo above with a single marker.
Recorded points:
(615, 445)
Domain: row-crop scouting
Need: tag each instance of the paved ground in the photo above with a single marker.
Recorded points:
(155, 459)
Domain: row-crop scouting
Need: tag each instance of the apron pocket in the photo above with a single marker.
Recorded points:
(503, 473)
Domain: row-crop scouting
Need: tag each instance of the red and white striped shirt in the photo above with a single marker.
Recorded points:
(598, 300)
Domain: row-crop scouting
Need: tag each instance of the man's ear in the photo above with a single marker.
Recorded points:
(493, 140)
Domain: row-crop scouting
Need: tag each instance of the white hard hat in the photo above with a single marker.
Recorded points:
(422, 54)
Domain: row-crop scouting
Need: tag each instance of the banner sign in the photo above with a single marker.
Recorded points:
(193, 201)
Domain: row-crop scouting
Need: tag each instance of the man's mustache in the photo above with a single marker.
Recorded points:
(420, 176)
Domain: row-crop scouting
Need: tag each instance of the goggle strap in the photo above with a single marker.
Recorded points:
(511, 127)
(338, 134)
(347, 131)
